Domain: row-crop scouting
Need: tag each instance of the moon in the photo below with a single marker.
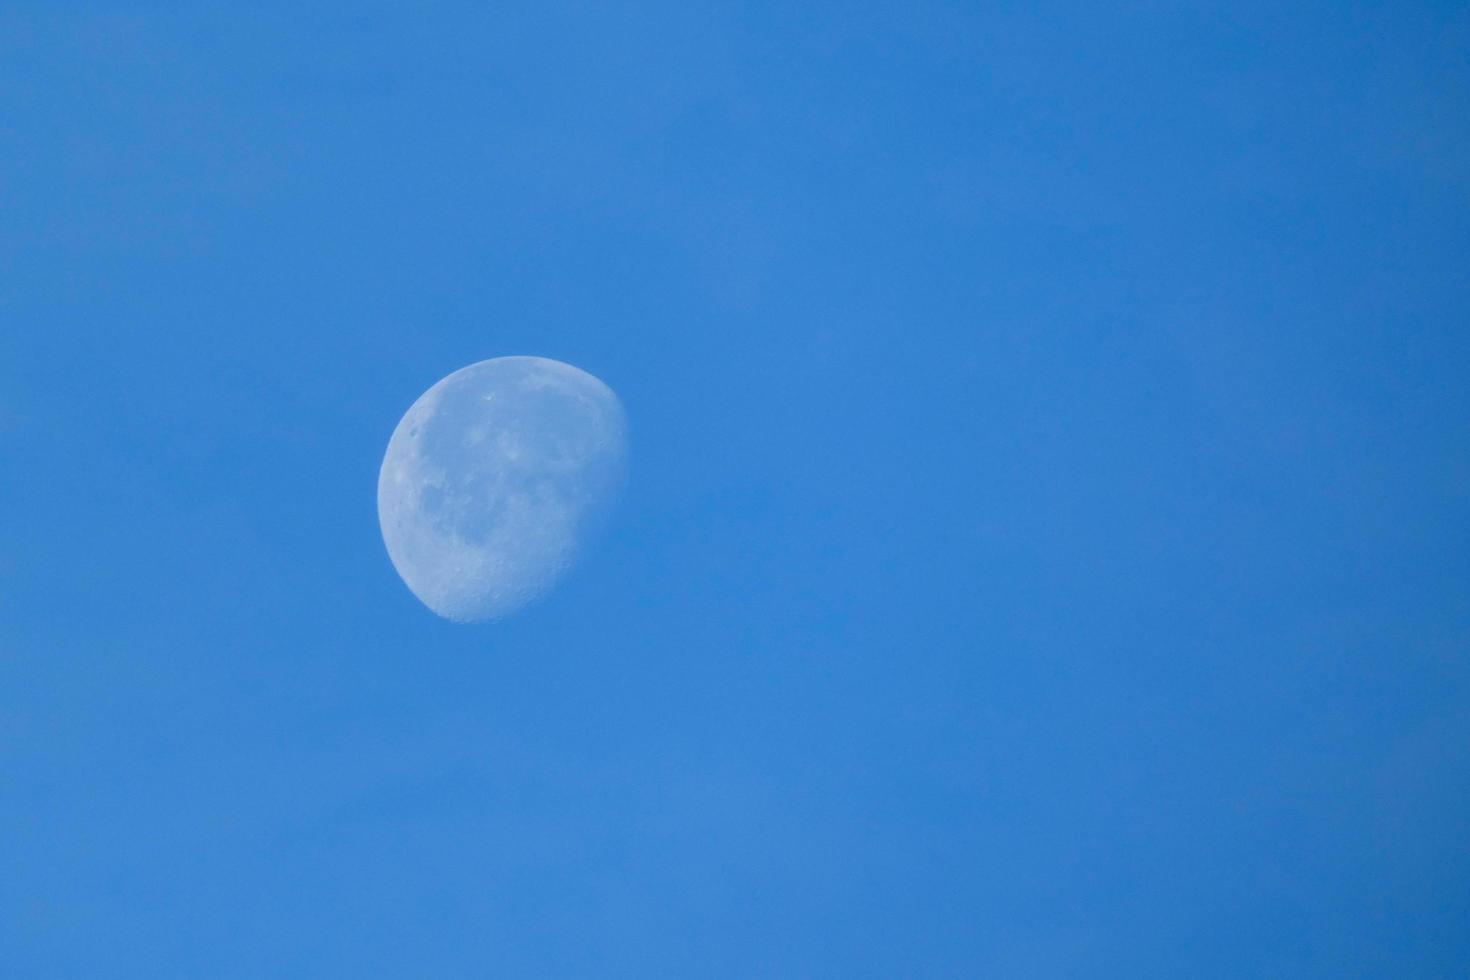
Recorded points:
(495, 478)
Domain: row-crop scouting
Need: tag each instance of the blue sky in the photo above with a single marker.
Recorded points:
(1047, 546)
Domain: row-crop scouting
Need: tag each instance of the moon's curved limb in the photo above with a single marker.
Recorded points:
(492, 480)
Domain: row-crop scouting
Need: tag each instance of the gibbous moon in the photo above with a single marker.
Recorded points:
(493, 480)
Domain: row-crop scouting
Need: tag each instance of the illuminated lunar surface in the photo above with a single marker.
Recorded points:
(493, 481)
